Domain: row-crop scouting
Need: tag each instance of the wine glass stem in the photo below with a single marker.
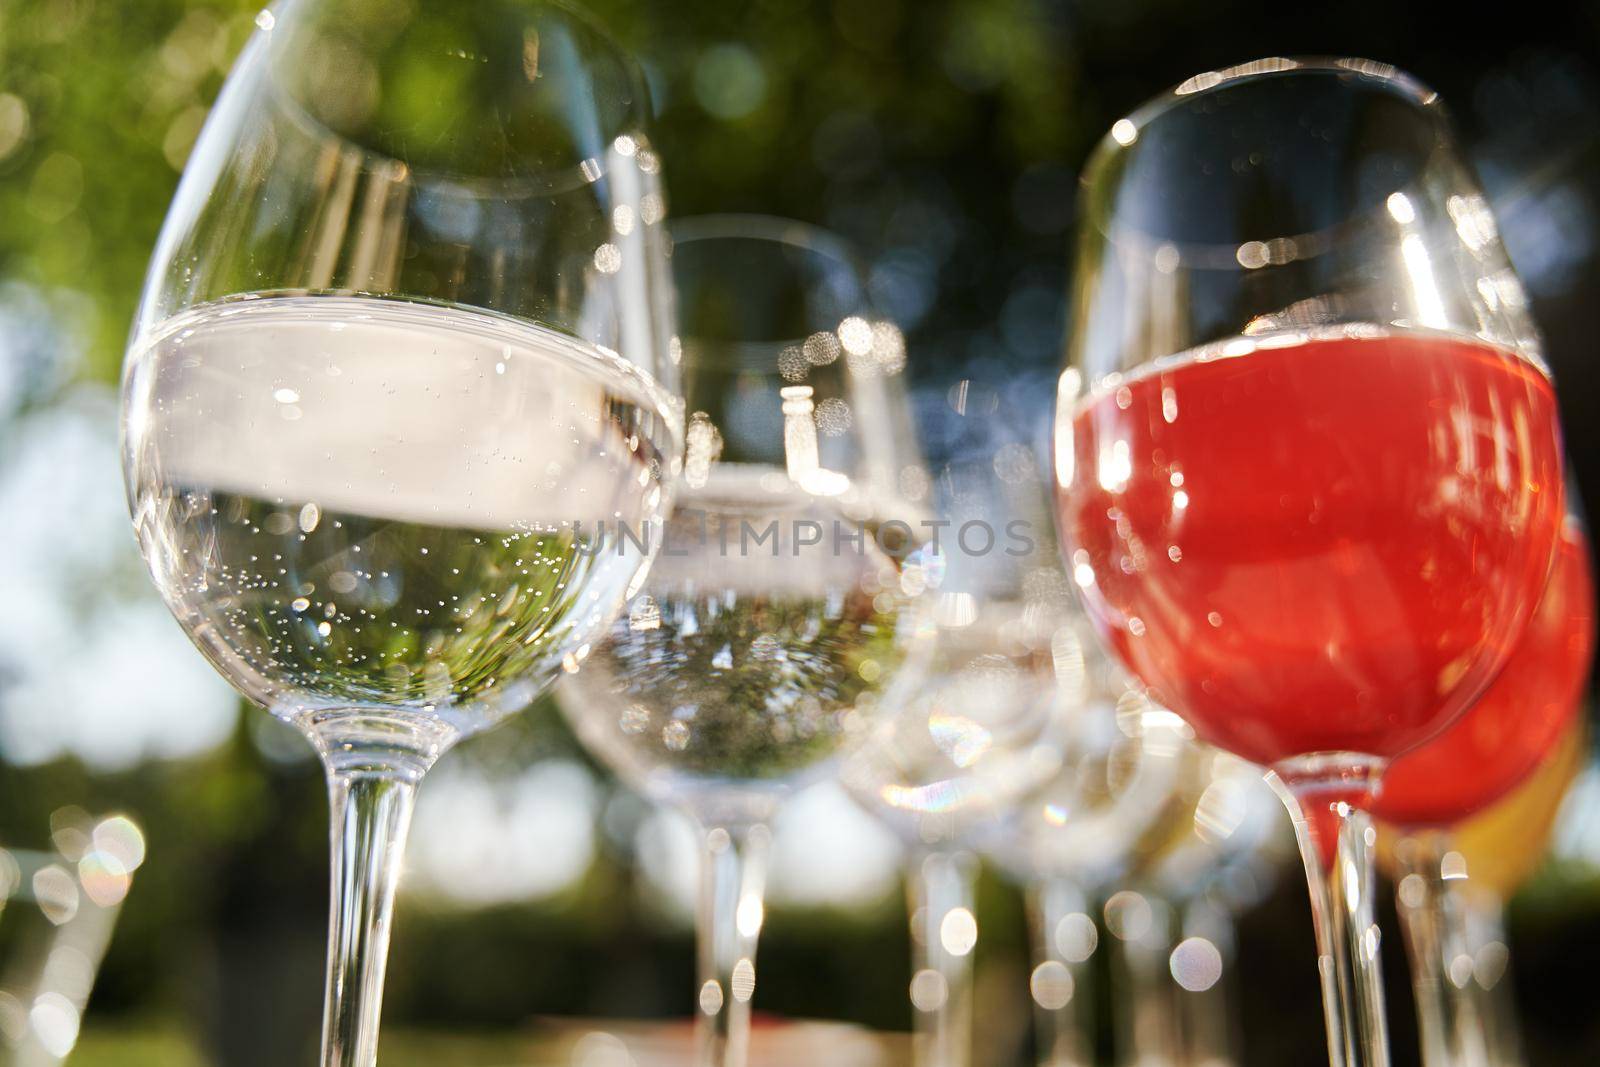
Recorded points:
(732, 886)
(1148, 1013)
(943, 887)
(1492, 985)
(1063, 1001)
(1207, 1020)
(1336, 843)
(371, 812)
(1433, 920)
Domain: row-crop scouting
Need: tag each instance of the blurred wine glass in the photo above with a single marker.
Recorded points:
(1214, 852)
(782, 611)
(1307, 449)
(1013, 702)
(1074, 840)
(1501, 849)
(1525, 720)
(404, 341)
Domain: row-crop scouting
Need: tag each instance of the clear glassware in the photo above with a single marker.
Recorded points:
(1500, 849)
(1008, 705)
(1301, 377)
(1074, 840)
(404, 341)
(783, 607)
(1064, 938)
(1520, 731)
(1215, 853)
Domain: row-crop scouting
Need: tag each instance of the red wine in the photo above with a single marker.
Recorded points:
(1507, 734)
(1316, 544)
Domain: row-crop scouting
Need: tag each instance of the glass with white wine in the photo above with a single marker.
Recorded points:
(782, 609)
(404, 344)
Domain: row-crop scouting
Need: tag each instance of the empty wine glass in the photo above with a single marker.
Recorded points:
(1307, 451)
(1072, 840)
(403, 344)
(1214, 852)
(781, 610)
(1007, 704)
(1520, 723)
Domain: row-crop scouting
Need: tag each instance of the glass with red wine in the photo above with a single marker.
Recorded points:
(1514, 730)
(1308, 462)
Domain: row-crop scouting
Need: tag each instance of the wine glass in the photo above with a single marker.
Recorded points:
(1168, 835)
(1070, 841)
(1500, 849)
(1517, 725)
(1307, 450)
(1009, 704)
(403, 344)
(1213, 854)
(782, 608)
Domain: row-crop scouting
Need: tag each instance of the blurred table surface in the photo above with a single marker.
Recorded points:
(548, 1042)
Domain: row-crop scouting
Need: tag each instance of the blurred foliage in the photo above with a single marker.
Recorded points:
(100, 101)
(101, 104)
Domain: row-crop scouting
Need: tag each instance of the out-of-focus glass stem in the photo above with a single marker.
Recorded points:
(1433, 919)
(1064, 941)
(1495, 993)
(733, 883)
(942, 889)
(1326, 797)
(1206, 1021)
(1146, 1008)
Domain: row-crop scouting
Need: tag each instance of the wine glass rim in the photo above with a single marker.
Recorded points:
(1124, 133)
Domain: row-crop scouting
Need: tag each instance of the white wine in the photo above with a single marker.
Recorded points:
(751, 651)
(358, 504)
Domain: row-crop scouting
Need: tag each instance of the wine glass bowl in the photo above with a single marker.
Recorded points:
(391, 372)
(784, 603)
(1516, 724)
(383, 550)
(999, 700)
(1228, 509)
(744, 677)
(1310, 474)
